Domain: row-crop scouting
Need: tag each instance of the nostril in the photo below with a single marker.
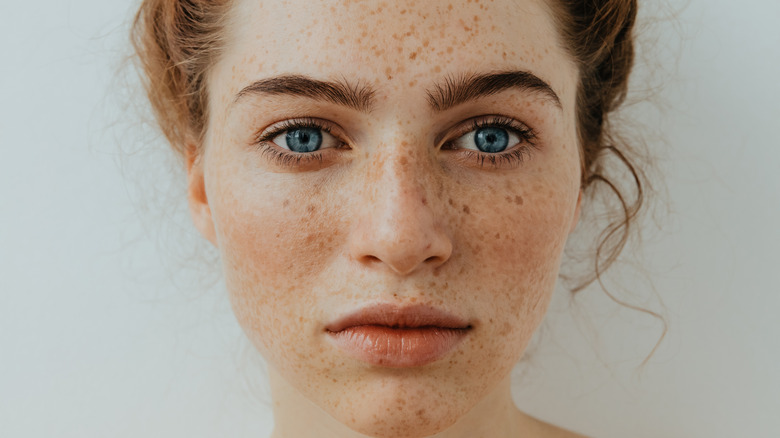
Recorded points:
(371, 259)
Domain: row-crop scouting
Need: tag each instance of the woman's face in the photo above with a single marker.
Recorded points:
(390, 186)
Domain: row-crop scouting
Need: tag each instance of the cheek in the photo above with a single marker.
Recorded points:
(513, 250)
(274, 240)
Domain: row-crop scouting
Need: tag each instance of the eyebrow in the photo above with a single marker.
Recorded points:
(460, 89)
(356, 96)
(454, 91)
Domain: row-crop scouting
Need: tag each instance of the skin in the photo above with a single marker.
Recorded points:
(393, 216)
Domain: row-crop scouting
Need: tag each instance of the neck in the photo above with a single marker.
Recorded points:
(295, 416)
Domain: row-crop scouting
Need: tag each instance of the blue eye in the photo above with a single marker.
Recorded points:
(301, 140)
(491, 139)
(303, 137)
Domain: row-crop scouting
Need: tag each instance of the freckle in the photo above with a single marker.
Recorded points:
(451, 203)
(286, 202)
(426, 43)
(498, 235)
(466, 209)
(437, 69)
(424, 201)
(413, 55)
(341, 40)
(412, 83)
(449, 49)
(519, 200)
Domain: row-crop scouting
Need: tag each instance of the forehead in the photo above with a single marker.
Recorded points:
(400, 42)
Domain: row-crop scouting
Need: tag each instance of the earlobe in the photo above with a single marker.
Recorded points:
(196, 195)
(576, 217)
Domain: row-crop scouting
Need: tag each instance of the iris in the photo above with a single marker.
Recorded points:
(491, 139)
(304, 139)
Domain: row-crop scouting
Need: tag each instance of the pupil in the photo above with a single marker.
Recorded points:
(491, 139)
(304, 139)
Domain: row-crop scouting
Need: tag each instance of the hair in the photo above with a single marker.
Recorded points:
(599, 35)
(178, 41)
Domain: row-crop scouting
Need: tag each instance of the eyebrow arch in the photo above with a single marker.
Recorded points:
(341, 92)
(460, 89)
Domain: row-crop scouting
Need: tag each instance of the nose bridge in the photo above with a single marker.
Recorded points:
(400, 227)
(401, 176)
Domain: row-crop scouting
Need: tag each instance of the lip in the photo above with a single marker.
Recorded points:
(398, 337)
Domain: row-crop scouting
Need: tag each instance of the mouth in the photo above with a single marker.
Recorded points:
(398, 337)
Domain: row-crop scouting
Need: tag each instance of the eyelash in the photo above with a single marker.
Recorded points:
(511, 158)
(264, 142)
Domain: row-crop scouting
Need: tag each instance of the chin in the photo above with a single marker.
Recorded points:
(405, 403)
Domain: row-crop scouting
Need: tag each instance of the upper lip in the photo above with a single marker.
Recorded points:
(391, 315)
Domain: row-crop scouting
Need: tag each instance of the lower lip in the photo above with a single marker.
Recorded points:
(398, 347)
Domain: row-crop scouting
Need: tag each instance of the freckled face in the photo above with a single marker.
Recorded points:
(320, 208)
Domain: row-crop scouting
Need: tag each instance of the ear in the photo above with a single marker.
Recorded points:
(196, 195)
(576, 217)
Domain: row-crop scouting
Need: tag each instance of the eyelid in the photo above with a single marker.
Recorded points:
(273, 130)
(526, 133)
(510, 158)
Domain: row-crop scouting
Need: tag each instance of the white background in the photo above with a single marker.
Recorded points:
(106, 328)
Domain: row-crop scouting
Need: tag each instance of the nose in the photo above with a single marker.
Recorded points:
(400, 226)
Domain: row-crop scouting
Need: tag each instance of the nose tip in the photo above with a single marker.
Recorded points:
(401, 228)
(403, 251)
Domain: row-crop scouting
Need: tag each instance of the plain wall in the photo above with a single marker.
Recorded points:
(106, 329)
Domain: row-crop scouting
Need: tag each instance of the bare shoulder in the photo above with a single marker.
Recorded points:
(543, 429)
